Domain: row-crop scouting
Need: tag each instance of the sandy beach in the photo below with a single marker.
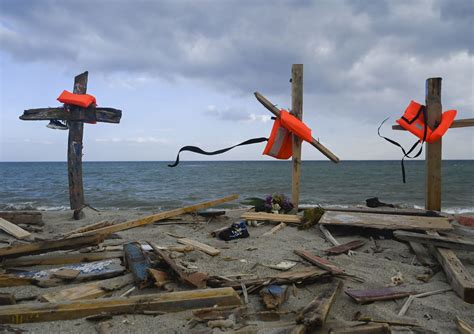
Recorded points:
(371, 266)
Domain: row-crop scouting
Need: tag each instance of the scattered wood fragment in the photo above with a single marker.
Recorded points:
(222, 312)
(373, 295)
(319, 262)
(435, 240)
(245, 293)
(363, 329)
(54, 259)
(211, 213)
(153, 218)
(273, 296)
(199, 246)
(274, 230)
(164, 302)
(196, 279)
(271, 217)
(390, 211)
(463, 327)
(89, 290)
(138, 263)
(384, 221)
(315, 313)
(50, 245)
(160, 277)
(458, 276)
(91, 227)
(12, 280)
(7, 298)
(13, 229)
(410, 299)
(422, 254)
(345, 247)
(66, 274)
(177, 248)
(23, 217)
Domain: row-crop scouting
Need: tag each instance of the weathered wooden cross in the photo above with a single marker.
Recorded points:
(433, 155)
(75, 117)
(297, 111)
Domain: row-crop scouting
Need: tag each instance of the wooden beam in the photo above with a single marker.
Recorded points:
(457, 123)
(23, 217)
(90, 227)
(49, 246)
(153, 218)
(390, 211)
(272, 217)
(74, 154)
(12, 280)
(163, 302)
(458, 276)
(13, 230)
(435, 240)
(390, 222)
(91, 114)
(55, 259)
(433, 151)
(297, 111)
(316, 144)
(200, 246)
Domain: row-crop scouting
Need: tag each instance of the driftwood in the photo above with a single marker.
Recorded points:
(410, 299)
(199, 246)
(319, 262)
(373, 295)
(54, 259)
(345, 247)
(271, 217)
(435, 240)
(13, 229)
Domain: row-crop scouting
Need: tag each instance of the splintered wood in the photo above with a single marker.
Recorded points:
(13, 230)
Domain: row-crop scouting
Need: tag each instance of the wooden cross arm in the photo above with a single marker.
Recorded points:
(275, 111)
(105, 115)
(458, 123)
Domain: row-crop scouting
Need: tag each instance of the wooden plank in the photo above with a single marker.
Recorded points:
(435, 240)
(200, 246)
(12, 280)
(163, 302)
(74, 153)
(91, 114)
(138, 263)
(54, 259)
(422, 254)
(7, 298)
(458, 276)
(89, 290)
(463, 326)
(345, 247)
(373, 295)
(23, 217)
(90, 227)
(319, 261)
(433, 150)
(50, 245)
(272, 217)
(363, 329)
(457, 123)
(153, 218)
(315, 313)
(274, 230)
(13, 230)
(390, 222)
(316, 144)
(390, 211)
(297, 111)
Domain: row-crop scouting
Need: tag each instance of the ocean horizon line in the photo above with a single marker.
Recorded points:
(248, 160)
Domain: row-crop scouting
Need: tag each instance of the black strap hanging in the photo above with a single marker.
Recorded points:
(196, 149)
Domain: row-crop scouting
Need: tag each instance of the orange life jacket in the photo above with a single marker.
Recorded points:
(82, 100)
(280, 143)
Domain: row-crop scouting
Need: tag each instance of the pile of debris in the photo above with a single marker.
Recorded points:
(95, 273)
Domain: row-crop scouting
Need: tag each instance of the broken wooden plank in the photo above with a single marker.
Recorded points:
(90, 114)
(91, 227)
(89, 290)
(13, 229)
(458, 276)
(12, 280)
(50, 245)
(273, 296)
(195, 279)
(54, 259)
(274, 230)
(138, 263)
(435, 240)
(153, 218)
(412, 297)
(164, 302)
(345, 247)
(382, 221)
(66, 274)
(272, 217)
(23, 217)
(422, 254)
(319, 261)
(463, 326)
(363, 329)
(160, 277)
(7, 298)
(390, 211)
(315, 313)
(199, 246)
(373, 295)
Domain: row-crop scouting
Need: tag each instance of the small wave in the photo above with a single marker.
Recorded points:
(457, 210)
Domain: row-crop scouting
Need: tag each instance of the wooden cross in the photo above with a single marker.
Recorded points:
(297, 111)
(75, 117)
(433, 155)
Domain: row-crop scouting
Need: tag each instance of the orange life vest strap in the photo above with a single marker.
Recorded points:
(81, 100)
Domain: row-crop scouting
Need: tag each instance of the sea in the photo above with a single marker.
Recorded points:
(150, 185)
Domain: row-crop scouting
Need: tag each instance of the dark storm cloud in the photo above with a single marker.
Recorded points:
(355, 52)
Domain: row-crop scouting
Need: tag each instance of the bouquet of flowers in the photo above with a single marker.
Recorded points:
(276, 203)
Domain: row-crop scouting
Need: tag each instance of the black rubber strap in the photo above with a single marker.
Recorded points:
(196, 149)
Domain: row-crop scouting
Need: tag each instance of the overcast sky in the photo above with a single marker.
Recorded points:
(184, 73)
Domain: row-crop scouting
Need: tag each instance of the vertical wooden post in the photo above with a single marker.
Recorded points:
(433, 151)
(297, 111)
(74, 153)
